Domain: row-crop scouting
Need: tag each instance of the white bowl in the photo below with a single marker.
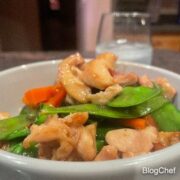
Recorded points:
(15, 81)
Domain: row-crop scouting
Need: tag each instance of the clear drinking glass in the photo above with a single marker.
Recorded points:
(127, 35)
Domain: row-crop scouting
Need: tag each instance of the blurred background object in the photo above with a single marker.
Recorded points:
(19, 26)
(88, 18)
(127, 35)
(48, 25)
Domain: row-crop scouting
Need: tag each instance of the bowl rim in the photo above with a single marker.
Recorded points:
(63, 167)
(56, 61)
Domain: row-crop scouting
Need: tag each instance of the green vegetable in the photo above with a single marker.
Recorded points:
(148, 106)
(17, 126)
(109, 112)
(92, 109)
(18, 148)
(18, 133)
(100, 144)
(9, 127)
(40, 119)
(29, 112)
(102, 130)
(167, 118)
(100, 136)
(131, 96)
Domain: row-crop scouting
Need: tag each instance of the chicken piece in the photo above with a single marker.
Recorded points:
(103, 97)
(145, 81)
(73, 85)
(46, 149)
(74, 156)
(4, 115)
(166, 139)
(58, 150)
(107, 153)
(96, 73)
(64, 138)
(52, 130)
(69, 100)
(169, 91)
(56, 129)
(126, 79)
(132, 142)
(63, 151)
(76, 119)
(86, 146)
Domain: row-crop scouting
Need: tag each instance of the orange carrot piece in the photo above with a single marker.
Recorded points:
(138, 123)
(34, 97)
(57, 99)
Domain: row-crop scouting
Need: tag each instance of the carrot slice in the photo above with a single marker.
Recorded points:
(34, 97)
(138, 123)
(57, 99)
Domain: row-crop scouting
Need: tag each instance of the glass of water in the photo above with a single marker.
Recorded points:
(127, 35)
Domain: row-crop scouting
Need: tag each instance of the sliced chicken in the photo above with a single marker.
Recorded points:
(166, 139)
(169, 91)
(86, 146)
(126, 79)
(58, 138)
(145, 81)
(107, 153)
(73, 85)
(132, 142)
(46, 149)
(76, 119)
(63, 151)
(96, 73)
(103, 97)
(51, 130)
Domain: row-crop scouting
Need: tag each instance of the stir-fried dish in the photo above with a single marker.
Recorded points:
(93, 112)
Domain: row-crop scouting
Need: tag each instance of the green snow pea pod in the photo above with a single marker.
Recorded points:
(102, 130)
(131, 96)
(92, 109)
(99, 144)
(109, 112)
(29, 112)
(17, 126)
(13, 127)
(147, 107)
(17, 148)
(41, 118)
(18, 133)
(167, 118)
(100, 136)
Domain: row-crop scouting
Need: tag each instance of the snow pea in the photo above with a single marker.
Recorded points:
(29, 112)
(18, 133)
(100, 136)
(17, 126)
(109, 112)
(131, 96)
(99, 144)
(13, 127)
(147, 107)
(102, 130)
(167, 118)
(17, 148)
(92, 109)
(41, 118)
